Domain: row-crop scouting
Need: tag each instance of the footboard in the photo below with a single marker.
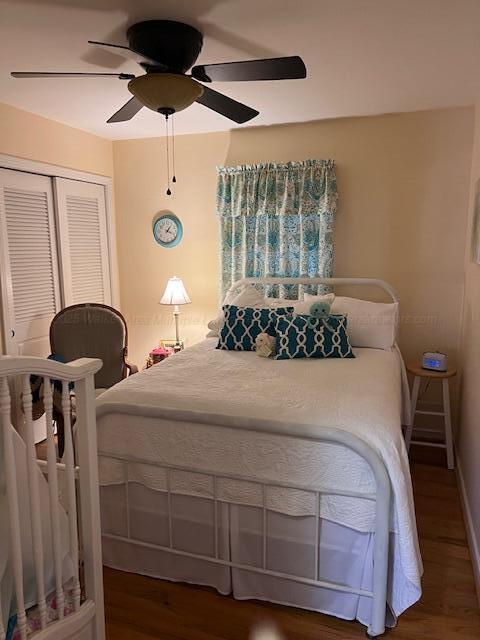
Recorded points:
(53, 563)
(381, 496)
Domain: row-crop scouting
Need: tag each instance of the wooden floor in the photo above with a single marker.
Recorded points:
(140, 608)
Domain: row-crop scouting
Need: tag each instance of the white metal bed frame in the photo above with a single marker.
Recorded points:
(382, 495)
(371, 282)
(87, 619)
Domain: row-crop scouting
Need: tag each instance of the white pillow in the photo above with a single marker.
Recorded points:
(275, 303)
(215, 326)
(369, 324)
(284, 302)
(247, 297)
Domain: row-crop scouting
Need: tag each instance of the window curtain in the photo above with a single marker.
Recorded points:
(277, 220)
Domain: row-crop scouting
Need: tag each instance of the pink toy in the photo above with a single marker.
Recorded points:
(160, 353)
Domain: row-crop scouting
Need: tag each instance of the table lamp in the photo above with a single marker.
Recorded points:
(176, 295)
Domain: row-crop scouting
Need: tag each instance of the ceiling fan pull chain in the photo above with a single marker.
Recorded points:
(168, 160)
(174, 179)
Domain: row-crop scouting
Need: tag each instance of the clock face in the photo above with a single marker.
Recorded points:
(167, 230)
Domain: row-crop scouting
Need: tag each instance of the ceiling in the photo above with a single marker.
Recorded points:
(363, 57)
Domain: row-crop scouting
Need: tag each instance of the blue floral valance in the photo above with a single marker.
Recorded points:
(298, 188)
(277, 220)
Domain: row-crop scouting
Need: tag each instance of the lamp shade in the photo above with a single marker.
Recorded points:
(165, 91)
(175, 292)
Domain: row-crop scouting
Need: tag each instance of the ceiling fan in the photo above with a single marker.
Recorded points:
(166, 50)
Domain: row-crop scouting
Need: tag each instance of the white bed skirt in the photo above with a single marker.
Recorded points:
(345, 555)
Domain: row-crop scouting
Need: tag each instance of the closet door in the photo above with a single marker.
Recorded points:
(29, 273)
(83, 242)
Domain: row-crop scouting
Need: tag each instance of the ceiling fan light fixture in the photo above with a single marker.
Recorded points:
(166, 50)
(165, 91)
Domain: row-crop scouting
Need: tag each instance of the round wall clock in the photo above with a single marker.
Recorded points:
(167, 230)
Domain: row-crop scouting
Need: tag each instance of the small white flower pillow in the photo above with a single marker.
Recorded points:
(369, 324)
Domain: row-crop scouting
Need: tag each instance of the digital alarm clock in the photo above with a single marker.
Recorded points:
(435, 361)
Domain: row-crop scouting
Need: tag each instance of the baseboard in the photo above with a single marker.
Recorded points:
(472, 540)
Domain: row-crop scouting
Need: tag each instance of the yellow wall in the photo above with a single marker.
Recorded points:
(26, 135)
(144, 266)
(403, 183)
(468, 440)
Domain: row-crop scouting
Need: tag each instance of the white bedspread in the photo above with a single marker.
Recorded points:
(361, 395)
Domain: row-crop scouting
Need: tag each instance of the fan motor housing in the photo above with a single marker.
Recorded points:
(173, 44)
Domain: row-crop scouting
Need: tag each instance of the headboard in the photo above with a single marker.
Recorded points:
(313, 281)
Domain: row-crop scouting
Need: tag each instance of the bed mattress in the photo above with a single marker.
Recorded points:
(146, 417)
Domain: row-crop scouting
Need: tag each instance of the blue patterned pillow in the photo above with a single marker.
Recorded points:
(243, 324)
(296, 338)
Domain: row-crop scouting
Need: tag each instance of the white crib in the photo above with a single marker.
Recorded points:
(66, 532)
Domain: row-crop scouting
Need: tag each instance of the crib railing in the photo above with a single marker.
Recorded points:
(79, 479)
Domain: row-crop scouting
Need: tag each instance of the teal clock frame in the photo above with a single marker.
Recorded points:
(176, 220)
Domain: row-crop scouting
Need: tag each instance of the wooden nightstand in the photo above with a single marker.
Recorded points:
(418, 373)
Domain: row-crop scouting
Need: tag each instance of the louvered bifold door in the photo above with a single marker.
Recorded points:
(29, 273)
(84, 259)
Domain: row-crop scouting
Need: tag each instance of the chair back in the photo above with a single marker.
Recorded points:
(92, 330)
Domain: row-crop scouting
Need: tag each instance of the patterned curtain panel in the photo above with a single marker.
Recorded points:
(277, 220)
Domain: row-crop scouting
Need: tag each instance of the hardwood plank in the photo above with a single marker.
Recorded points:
(142, 608)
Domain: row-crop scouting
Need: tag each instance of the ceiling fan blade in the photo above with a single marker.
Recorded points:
(47, 74)
(226, 106)
(129, 109)
(125, 52)
(291, 67)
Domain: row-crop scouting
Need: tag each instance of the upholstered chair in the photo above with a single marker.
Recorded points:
(92, 330)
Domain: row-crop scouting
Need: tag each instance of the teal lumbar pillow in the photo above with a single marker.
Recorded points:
(243, 324)
(318, 335)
